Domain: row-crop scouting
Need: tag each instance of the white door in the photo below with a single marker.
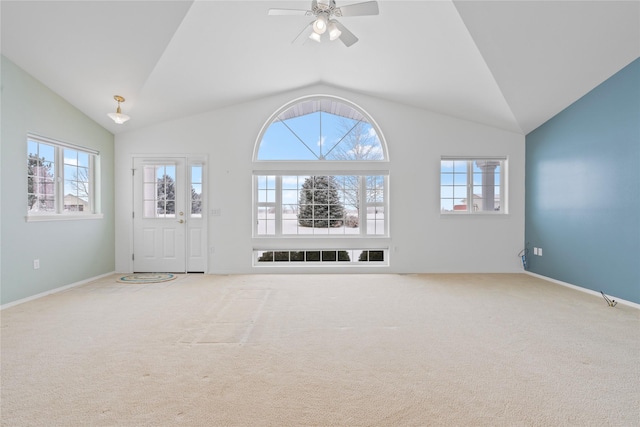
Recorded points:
(169, 231)
(158, 215)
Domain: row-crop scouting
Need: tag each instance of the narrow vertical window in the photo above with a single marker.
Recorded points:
(266, 204)
(76, 181)
(196, 191)
(41, 177)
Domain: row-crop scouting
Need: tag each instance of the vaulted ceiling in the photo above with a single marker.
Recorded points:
(509, 64)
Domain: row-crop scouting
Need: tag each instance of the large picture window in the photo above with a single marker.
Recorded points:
(320, 177)
(338, 205)
(61, 179)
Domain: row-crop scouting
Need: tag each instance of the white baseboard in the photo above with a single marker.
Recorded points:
(53, 291)
(581, 289)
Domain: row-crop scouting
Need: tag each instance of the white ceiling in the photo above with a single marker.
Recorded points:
(509, 64)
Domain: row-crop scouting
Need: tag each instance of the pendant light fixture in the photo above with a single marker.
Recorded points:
(118, 117)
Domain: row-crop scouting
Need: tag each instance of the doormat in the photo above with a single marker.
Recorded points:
(146, 278)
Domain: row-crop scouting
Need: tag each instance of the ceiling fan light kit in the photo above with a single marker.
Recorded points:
(320, 24)
(325, 12)
(315, 37)
(334, 32)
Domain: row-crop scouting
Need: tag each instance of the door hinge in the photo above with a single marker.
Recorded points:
(133, 172)
(133, 214)
(133, 257)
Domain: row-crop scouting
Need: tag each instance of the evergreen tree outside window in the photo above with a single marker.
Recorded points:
(159, 193)
(320, 204)
(320, 172)
(196, 191)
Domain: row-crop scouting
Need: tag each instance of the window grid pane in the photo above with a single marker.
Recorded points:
(481, 194)
(196, 191)
(320, 205)
(159, 195)
(318, 257)
(320, 129)
(59, 178)
(41, 172)
(76, 181)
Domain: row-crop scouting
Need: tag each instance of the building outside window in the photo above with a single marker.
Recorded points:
(473, 185)
(61, 179)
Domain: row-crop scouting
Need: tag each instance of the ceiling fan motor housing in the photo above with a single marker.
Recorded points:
(325, 6)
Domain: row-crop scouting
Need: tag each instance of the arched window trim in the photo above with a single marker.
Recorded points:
(326, 164)
(280, 243)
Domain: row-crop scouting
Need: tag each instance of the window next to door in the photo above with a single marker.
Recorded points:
(196, 191)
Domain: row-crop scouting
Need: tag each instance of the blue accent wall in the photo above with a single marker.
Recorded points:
(582, 204)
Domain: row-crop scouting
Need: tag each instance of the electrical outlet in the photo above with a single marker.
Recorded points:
(36, 264)
(539, 251)
(535, 251)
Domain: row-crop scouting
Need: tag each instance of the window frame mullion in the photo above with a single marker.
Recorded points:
(470, 199)
(362, 201)
(59, 177)
(278, 207)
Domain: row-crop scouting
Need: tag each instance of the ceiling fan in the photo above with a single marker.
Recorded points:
(325, 12)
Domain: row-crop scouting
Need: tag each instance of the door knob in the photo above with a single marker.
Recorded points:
(181, 213)
(181, 221)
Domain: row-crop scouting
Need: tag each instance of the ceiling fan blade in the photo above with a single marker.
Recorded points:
(346, 36)
(299, 12)
(304, 34)
(359, 9)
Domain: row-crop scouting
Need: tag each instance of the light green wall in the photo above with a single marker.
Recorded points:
(69, 251)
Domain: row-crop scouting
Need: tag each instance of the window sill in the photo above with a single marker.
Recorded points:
(471, 215)
(321, 236)
(62, 217)
(321, 264)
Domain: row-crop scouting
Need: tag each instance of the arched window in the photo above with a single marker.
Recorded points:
(320, 128)
(321, 181)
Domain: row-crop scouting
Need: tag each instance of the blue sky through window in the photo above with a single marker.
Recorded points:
(317, 136)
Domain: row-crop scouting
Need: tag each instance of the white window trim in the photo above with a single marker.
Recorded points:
(95, 206)
(275, 242)
(321, 264)
(277, 205)
(319, 97)
(62, 217)
(504, 200)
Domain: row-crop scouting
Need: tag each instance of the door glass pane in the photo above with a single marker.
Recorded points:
(159, 191)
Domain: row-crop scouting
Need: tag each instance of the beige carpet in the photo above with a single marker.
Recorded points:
(321, 350)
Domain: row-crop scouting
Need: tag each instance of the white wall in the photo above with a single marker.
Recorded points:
(421, 239)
